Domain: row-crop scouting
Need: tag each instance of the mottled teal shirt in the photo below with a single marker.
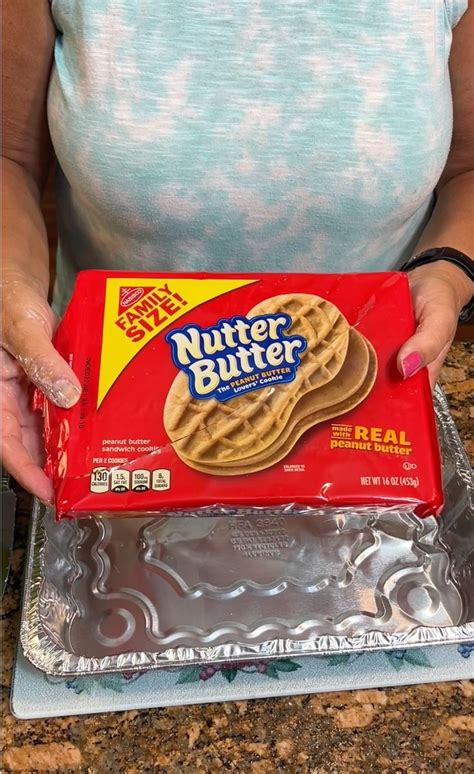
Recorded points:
(248, 135)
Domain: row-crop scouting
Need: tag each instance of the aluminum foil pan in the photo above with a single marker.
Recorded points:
(134, 594)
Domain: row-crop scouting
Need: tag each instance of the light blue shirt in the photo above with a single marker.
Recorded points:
(248, 135)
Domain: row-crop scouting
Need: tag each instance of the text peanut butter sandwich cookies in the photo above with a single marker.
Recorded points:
(222, 391)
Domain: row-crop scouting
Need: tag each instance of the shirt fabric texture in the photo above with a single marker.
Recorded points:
(247, 135)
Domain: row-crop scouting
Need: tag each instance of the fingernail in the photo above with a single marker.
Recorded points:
(411, 364)
(65, 393)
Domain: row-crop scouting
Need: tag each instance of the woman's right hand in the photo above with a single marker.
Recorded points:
(28, 356)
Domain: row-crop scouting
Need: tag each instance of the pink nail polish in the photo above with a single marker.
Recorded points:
(411, 364)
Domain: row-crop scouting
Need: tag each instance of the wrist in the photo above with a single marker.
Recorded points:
(451, 266)
(462, 285)
(14, 277)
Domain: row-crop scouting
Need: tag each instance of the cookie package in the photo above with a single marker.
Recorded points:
(213, 393)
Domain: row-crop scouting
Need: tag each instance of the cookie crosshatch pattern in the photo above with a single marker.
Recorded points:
(258, 429)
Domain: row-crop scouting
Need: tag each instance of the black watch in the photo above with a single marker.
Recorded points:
(451, 255)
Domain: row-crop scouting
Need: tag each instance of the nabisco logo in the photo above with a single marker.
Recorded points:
(128, 296)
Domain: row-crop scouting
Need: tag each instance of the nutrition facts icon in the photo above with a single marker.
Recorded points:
(141, 480)
(99, 480)
(161, 479)
(120, 480)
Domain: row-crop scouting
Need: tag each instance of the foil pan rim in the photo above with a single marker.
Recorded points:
(50, 657)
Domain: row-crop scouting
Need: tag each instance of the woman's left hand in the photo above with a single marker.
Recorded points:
(439, 291)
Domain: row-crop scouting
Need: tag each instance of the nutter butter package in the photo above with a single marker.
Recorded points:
(238, 391)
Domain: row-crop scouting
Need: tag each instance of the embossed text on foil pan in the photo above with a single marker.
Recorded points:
(109, 595)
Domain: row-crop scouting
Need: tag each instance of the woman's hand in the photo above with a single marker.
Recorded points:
(28, 356)
(439, 291)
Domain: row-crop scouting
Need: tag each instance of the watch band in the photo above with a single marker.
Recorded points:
(451, 255)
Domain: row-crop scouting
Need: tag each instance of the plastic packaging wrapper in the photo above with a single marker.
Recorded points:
(216, 394)
(104, 595)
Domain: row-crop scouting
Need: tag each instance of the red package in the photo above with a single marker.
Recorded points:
(210, 391)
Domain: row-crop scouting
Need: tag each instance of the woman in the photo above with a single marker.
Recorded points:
(241, 135)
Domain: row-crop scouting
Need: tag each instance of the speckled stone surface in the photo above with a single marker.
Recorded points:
(408, 729)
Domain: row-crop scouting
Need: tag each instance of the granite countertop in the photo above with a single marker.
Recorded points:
(405, 729)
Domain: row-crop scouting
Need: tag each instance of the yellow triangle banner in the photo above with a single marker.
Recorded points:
(137, 310)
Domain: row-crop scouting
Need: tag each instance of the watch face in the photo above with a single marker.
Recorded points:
(431, 253)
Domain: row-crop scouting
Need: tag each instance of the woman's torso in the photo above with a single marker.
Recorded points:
(248, 135)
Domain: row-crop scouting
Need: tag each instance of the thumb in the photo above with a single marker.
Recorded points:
(435, 331)
(44, 366)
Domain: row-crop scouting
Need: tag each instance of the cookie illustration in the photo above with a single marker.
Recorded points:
(251, 421)
(248, 431)
(326, 410)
